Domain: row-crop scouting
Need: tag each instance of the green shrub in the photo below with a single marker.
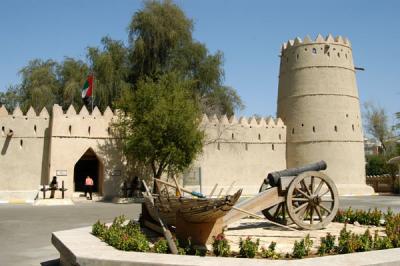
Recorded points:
(161, 246)
(392, 229)
(350, 242)
(381, 242)
(99, 229)
(302, 248)
(248, 248)
(362, 217)
(365, 242)
(123, 237)
(270, 252)
(327, 245)
(220, 246)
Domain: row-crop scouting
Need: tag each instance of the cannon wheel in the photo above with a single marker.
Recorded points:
(312, 200)
(277, 213)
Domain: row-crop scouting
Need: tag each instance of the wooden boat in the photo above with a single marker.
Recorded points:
(195, 210)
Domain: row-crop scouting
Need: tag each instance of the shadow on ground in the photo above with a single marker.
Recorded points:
(55, 262)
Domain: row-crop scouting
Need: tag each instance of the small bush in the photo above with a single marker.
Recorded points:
(120, 236)
(99, 229)
(302, 248)
(248, 248)
(161, 246)
(362, 217)
(220, 246)
(392, 229)
(327, 245)
(270, 252)
(365, 242)
(381, 242)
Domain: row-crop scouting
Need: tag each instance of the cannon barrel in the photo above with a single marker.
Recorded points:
(273, 178)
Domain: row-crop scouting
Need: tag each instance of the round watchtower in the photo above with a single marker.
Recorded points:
(318, 101)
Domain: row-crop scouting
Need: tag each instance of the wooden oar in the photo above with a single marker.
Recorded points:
(213, 190)
(193, 193)
(166, 232)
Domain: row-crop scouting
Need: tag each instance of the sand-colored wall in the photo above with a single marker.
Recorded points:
(318, 101)
(73, 134)
(23, 155)
(241, 151)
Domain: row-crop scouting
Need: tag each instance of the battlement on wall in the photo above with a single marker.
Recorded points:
(339, 40)
(20, 125)
(83, 112)
(244, 130)
(332, 54)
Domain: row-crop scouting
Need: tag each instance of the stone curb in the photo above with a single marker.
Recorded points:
(80, 247)
(17, 201)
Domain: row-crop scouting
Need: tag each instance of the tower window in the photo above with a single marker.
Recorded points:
(109, 130)
(279, 136)
(352, 126)
(335, 128)
(70, 130)
(34, 128)
(218, 146)
(233, 136)
(297, 57)
(292, 130)
(345, 55)
(338, 55)
(305, 49)
(313, 129)
(246, 147)
(273, 147)
(2, 130)
(89, 131)
(302, 125)
(21, 143)
(259, 136)
(347, 115)
(314, 51)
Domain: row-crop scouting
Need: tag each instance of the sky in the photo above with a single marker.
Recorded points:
(249, 33)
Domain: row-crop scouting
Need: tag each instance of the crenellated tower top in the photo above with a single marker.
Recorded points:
(338, 40)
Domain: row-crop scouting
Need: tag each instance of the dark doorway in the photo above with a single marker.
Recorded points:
(88, 165)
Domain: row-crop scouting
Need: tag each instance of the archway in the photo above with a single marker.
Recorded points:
(88, 165)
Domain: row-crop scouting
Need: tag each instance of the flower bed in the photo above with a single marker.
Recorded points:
(127, 235)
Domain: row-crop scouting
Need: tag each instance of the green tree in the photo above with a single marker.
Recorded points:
(110, 65)
(71, 75)
(160, 124)
(11, 98)
(160, 41)
(376, 123)
(40, 86)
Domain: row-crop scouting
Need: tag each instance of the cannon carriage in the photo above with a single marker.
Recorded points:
(304, 196)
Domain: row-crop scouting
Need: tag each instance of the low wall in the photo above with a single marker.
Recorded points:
(80, 247)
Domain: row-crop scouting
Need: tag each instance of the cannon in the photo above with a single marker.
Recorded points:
(274, 177)
(303, 195)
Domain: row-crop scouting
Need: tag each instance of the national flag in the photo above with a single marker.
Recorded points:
(87, 87)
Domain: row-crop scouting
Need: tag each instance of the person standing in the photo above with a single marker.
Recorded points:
(53, 186)
(88, 186)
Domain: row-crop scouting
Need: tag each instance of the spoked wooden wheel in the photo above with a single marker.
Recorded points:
(277, 213)
(312, 200)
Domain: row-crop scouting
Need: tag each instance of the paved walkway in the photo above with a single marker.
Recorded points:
(25, 230)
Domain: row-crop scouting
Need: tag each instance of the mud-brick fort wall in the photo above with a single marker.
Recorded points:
(41, 146)
(319, 103)
(24, 144)
(73, 134)
(241, 151)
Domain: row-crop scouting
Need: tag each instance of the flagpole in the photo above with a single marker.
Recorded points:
(92, 90)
